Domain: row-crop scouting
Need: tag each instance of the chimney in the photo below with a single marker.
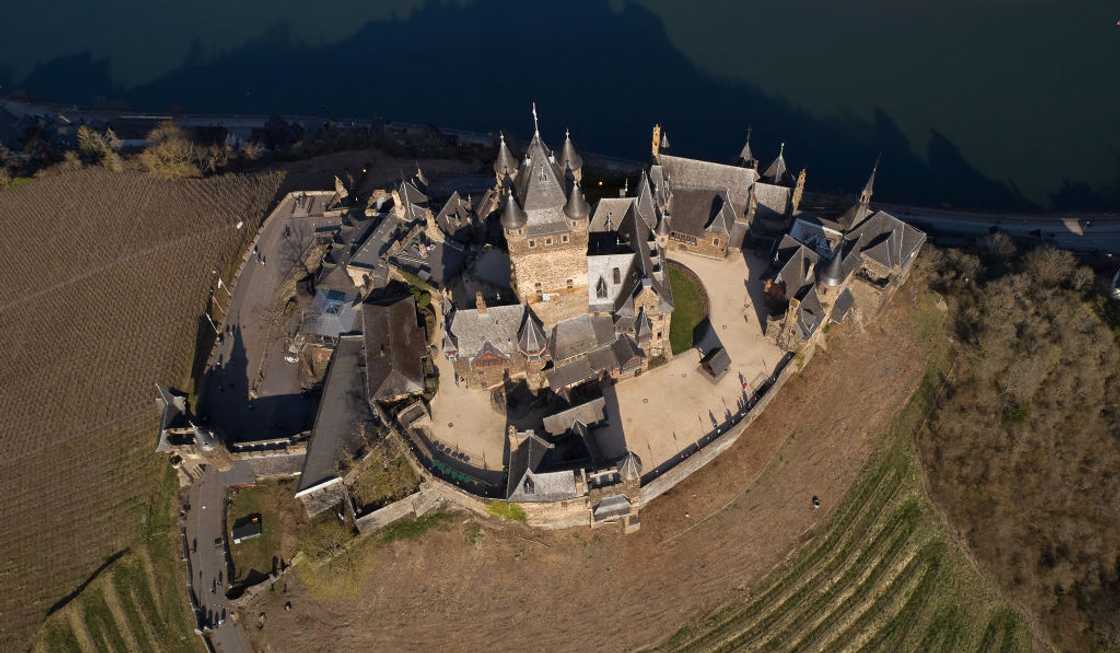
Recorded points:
(479, 302)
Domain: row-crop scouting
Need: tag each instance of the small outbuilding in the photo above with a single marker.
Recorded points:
(247, 528)
(716, 363)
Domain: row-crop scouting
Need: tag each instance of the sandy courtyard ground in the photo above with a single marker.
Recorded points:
(715, 534)
(672, 406)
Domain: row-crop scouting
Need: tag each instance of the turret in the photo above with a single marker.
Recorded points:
(506, 163)
(531, 339)
(833, 274)
(577, 208)
(513, 217)
(777, 171)
(570, 158)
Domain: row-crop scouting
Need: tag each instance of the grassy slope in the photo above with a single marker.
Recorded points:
(884, 574)
(689, 308)
(155, 609)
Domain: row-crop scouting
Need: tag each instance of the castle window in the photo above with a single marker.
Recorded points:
(658, 336)
(547, 241)
(715, 241)
(564, 238)
(601, 288)
(616, 275)
(532, 243)
(537, 285)
(570, 283)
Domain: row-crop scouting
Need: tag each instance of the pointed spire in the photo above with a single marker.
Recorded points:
(512, 216)
(746, 156)
(869, 187)
(536, 125)
(569, 157)
(625, 188)
(420, 175)
(577, 207)
(834, 274)
(631, 467)
(506, 163)
(531, 338)
(665, 140)
(777, 172)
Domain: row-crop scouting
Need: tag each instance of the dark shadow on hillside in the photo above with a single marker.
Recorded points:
(478, 66)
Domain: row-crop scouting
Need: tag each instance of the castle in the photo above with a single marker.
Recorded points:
(589, 307)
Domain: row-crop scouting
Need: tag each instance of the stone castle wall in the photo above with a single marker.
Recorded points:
(545, 264)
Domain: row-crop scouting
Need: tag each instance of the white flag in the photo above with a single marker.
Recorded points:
(239, 223)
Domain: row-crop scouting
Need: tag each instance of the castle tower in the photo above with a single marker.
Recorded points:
(546, 227)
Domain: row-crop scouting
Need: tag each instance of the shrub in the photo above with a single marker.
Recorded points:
(170, 154)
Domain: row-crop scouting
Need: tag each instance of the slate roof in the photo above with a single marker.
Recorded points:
(577, 207)
(532, 340)
(343, 409)
(570, 374)
(795, 267)
(569, 157)
(610, 212)
(580, 335)
(694, 173)
(506, 162)
(371, 252)
(395, 348)
(745, 154)
(456, 215)
(810, 314)
(844, 303)
(886, 240)
(332, 313)
(525, 458)
(716, 362)
(777, 172)
(700, 212)
(468, 330)
(588, 414)
(772, 199)
(539, 189)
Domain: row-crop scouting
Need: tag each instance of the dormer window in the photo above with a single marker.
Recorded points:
(601, 288)
(616, 275)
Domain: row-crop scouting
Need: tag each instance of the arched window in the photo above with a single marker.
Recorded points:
(601, 288)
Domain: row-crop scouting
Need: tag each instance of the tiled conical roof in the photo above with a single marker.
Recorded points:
(745, 154)
(512, 216)
(531, 338)
(777, 172)
(569, 157)
(506, 163)
(577, 207)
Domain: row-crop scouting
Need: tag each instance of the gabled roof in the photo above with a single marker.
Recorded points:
(455, 214)
(525, 458)
(600, 276)
(588, 414)
(886, 240)
(610, 212)
(810, 314)
(410, 194)
(332, 313)
(701, 211)
(469, 330)
(843, 305)
(340, 418)
(694, 173)
(796, 270)
(644, 205)
(395, 347)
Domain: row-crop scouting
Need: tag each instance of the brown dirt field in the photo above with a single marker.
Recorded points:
(714, 535)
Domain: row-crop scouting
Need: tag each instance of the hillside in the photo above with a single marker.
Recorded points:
(106, 276)
(1023, 453)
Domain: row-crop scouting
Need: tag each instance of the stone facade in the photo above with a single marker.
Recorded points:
(549, 263)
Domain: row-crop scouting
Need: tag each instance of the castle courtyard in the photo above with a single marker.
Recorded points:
(660, 412)
(670, 407)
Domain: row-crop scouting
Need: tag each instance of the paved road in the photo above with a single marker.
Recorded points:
(1082, 233)
(208, 546)
(250, 391)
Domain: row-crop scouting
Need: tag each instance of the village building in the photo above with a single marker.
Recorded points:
(396, 350)
(489, 345)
